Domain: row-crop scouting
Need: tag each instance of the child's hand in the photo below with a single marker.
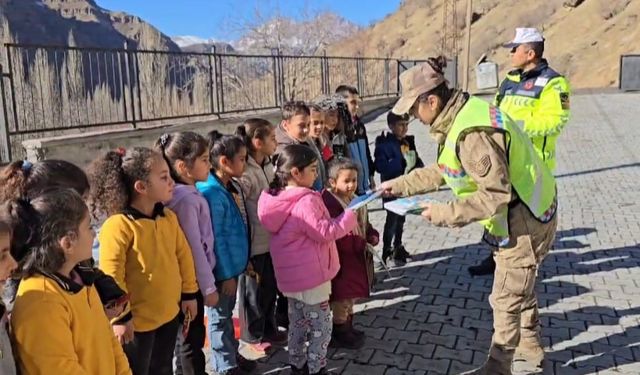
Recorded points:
(374, 239)
(211, 299)
(229, 287)
(113, 311)
(190, 307)
(426, 213)
(124, 332)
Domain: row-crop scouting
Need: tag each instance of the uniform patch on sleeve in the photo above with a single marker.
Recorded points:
(482, 166)
(564, 100)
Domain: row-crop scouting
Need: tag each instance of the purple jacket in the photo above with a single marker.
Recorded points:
(303, 237)
(194, 217)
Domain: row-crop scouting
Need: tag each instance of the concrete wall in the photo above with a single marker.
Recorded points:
(82, 148)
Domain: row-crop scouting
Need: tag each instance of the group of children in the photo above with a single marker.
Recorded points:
(190, 227)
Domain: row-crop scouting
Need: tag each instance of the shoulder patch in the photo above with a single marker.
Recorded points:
(482, 166)
(541, 81)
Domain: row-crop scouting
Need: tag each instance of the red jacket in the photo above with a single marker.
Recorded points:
(356, 263)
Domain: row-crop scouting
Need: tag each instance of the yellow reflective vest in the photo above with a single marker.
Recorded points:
(532, 181)
(538, 100)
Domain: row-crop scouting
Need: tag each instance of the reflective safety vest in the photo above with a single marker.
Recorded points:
(538, 101)
(530, 178)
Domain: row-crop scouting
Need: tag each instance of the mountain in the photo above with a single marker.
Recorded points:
(290, 36)
(189, 43)
(584, 38)
(51, 22)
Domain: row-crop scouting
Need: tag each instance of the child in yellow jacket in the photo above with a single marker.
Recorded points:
(143, 247)
(58, 322)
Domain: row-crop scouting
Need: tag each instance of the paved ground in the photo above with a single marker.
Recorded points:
(432, 318)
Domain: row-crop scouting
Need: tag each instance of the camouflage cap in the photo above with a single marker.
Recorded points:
(416, 81)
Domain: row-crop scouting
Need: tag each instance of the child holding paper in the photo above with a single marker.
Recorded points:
(395, 155)
(355, 278)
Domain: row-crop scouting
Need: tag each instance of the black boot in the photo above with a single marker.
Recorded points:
(300, 371)
(355, 331)
(486, 267)
(324, 371)
(386, 254)
(400, 255)
(343, 337)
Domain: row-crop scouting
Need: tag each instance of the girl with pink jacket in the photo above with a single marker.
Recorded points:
(304, 254)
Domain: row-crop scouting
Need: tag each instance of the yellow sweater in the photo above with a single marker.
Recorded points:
(60, 328)
(150, 258)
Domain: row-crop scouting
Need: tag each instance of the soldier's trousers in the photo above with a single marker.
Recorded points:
(513, 298)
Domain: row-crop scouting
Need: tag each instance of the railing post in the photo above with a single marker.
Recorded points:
(398, 77)
(127, 64)
(5, 140)
(211, 75)
(359, 75)
(276, 81)
(385, 84)
(137, 75)
(14, 102)
(324, 63)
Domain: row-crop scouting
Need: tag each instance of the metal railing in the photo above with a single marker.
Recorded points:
(48, 91)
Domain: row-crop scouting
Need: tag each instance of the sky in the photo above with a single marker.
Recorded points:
(219, 19)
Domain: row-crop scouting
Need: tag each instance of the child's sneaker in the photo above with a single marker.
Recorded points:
(277, 339)
(400, 255)
(300, 371)
(245, 364)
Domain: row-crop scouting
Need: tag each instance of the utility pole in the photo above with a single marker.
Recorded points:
(449, 42)
(467, 48)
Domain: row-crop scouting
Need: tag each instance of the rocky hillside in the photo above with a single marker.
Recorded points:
(584, 38)
(51, 21)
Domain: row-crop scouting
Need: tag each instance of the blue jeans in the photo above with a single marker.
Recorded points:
(221, 334)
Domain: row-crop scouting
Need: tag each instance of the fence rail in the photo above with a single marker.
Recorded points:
(48, 91)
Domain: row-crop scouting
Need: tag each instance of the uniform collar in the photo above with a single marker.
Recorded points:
(133, 214)
(533, 73)
(86, 274)
(443, 123)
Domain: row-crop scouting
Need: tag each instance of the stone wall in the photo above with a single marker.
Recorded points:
(82, 148)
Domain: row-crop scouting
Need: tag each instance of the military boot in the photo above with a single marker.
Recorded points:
(530, 350)
(486, 267)
(491, 367)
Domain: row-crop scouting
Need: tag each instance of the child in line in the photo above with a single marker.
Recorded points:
(228, 155)
(335, 113)
(395, 155)
(144, 249)
(293, 130)
(7, 265)
(23, 179)
(357, 140)
(355, 278)
(316, 131)
(58, 323)
(187, 155)
(304, 254)
(258, 289)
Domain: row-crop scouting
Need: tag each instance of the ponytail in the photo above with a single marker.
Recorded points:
(254, 128)
(185, 146)
(38, 226)
(293, 156)
(113, 176)
(22, 179)
(223, 145)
